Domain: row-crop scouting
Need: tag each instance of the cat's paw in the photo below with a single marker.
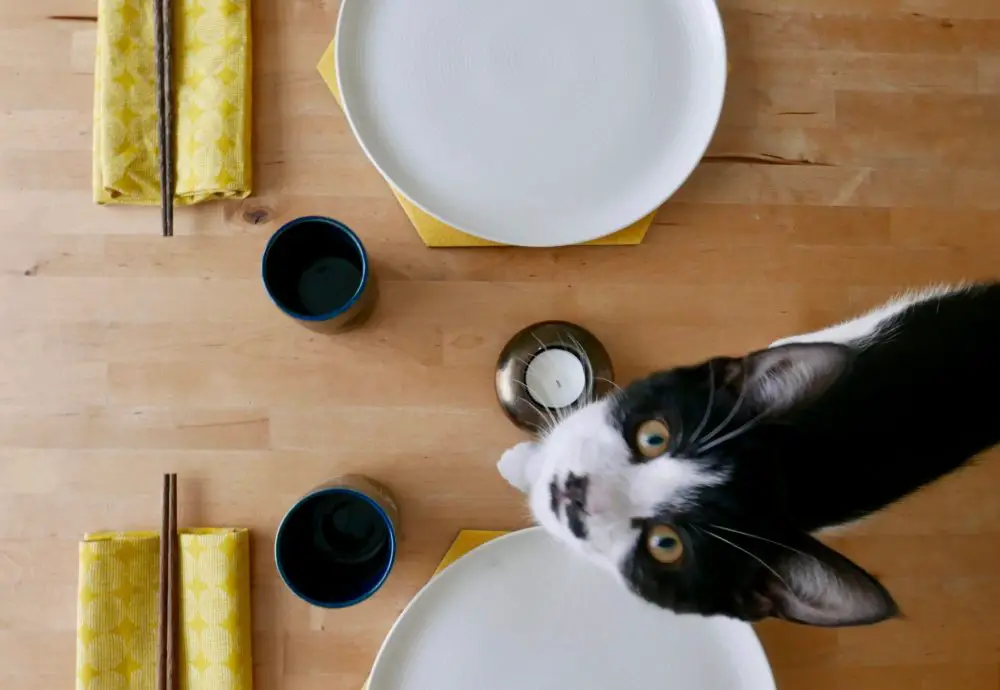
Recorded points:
(520, 465)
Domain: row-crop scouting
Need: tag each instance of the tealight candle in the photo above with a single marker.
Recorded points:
(550, 366)
(555, 378)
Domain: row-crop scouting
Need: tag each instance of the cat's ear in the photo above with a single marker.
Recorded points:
(812, 584)
(521, 465)
(783, 378)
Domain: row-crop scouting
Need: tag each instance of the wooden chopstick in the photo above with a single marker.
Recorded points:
(166, 667)
(172, 632)
(162, 632)
(164, 30)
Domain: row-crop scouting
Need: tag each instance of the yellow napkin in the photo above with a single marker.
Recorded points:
(119, 610)
(433, 232)
(211, 68)
(466, 541)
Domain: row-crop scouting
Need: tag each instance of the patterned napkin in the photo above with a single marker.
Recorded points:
(211, 107)
(466, 541)
(433, 232)
(118, 610)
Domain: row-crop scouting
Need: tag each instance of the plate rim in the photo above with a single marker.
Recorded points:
(492, 544)
(718, 36)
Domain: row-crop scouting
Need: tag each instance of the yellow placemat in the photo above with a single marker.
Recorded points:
(118, 610)
(211, 100)
(433, 232)
(466, 541)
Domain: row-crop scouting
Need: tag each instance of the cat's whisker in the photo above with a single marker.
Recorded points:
(576, 342)
(708, 408)
(521, 360)
(562, 412)
(540, 430)
(732, 413)
(545, 414)
(592, 397)
(609, 382)
(748, 553)
(769, 541)
(680, 433)
(540, 341)
(732, 434)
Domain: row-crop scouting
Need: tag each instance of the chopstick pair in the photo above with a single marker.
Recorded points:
(164, 41)
(166, 665)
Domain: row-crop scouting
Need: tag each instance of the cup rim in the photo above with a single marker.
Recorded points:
(295, 222)
(388, 566)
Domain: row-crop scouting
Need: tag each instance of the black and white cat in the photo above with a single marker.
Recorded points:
(700, 486)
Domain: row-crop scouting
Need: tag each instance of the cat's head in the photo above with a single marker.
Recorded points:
(670, 484)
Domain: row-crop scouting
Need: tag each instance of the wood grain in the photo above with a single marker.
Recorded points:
(859, 153)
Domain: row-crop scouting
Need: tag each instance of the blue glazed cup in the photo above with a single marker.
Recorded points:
(337, 545)
(316, 270)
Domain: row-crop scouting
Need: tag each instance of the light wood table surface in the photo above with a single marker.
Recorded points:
(859, 152)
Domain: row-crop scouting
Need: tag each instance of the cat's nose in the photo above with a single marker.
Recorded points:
(571, 494)
(574, 496)
(575, 490)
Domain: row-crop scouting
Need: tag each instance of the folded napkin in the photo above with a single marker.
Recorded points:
(433, 232)
(211, 70)
(119, 609)
(466, 541)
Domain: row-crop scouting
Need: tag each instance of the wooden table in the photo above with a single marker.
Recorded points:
(859, 152)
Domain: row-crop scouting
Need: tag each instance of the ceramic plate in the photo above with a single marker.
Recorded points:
(533, 122)
(524, 612)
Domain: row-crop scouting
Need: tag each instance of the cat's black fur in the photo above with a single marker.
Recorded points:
(841, 431)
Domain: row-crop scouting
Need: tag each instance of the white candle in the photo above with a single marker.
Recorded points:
(555, 378)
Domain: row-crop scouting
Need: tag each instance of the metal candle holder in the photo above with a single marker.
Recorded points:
(512, 368)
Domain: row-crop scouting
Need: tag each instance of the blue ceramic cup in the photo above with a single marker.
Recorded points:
(336, 546)
(316, 270)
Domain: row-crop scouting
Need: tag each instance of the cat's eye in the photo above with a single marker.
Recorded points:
(652, 438)
(665, 545)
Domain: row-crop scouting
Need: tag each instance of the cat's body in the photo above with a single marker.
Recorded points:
(699, 485)
(919, 400)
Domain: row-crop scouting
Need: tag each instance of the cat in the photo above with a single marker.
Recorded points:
(702, 487)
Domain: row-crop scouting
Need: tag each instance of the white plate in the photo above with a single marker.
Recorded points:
(522, 612)
(533, 122)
